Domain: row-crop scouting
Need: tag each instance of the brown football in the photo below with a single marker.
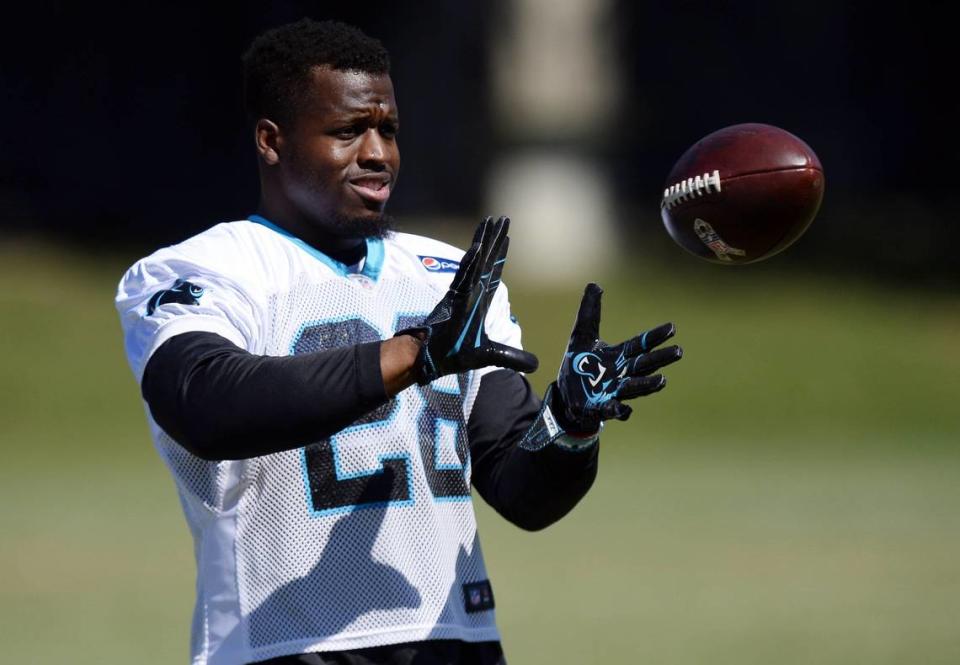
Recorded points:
(742, 194)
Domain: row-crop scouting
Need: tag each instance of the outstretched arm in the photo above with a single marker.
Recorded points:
(531, 489)
(533, 461)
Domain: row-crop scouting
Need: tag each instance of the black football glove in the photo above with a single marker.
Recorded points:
(595, 378)
(452, 337)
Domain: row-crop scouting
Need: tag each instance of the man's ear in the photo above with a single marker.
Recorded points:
(267, 137)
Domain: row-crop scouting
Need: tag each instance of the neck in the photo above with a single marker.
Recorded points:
(291, 220)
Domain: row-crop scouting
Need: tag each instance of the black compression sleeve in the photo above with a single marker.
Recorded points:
(220, 402)
(532, 489)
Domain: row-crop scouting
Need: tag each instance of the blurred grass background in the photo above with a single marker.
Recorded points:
(792, 497)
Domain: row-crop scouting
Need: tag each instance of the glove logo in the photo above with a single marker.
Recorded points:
(588, 365)
(437, 264)
(182, 292)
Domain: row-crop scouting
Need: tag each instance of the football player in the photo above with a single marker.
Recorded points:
(326, 392)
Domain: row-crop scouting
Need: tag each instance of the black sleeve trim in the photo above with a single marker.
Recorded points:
(220, 402)
(531, 488)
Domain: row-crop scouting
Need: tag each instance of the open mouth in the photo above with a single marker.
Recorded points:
(375, 189)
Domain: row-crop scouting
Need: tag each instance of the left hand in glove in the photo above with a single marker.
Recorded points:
(596, 378)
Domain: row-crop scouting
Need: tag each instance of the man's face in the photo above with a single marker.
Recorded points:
(340, 156)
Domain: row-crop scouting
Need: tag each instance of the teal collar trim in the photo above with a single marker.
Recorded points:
(371, 265)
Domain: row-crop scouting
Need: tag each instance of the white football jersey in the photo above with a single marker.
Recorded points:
(285, 563)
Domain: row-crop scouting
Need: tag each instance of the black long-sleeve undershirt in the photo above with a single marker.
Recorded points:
(532, 489)
(221, 402)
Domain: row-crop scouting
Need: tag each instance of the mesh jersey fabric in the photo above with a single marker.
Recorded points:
(360, 540)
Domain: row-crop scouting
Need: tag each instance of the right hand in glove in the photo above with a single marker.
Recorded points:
(452, 337)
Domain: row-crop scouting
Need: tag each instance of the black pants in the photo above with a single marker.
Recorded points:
(433, 652)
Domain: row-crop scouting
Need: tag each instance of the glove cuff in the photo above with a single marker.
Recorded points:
(426, 370)
(546, 430)
(578, 442)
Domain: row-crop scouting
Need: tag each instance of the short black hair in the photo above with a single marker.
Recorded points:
(278, 62)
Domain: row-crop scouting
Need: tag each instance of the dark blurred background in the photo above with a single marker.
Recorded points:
(124, 123)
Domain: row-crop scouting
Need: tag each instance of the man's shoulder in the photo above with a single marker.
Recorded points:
(218, 243)
(227, 246)
(227, 250)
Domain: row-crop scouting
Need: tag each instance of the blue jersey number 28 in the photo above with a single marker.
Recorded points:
(332, 489)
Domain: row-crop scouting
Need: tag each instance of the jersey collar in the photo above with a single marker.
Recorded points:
(371, 265)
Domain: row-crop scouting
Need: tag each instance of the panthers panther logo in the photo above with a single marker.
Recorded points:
(182, 292)
(599, 382)
(588, 365)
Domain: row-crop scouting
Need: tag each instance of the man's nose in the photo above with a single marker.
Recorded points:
(373, 150)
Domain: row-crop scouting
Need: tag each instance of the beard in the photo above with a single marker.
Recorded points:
(346, 226)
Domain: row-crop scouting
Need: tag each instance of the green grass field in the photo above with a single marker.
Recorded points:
(792, 497)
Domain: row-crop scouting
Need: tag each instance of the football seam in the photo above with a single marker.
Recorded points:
(776, 170)
(672, 199)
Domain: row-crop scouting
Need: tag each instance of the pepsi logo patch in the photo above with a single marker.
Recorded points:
(437, 264)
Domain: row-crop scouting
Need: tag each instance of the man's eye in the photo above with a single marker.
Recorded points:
(389, 130)
(347, 132)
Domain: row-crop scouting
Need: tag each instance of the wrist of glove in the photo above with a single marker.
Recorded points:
(550, 427)
(424, 369)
